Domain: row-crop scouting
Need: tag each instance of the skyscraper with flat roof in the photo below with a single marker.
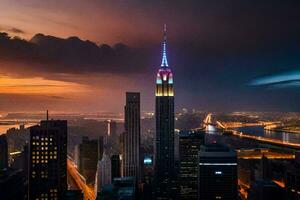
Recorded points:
(217, 178)
(48, 160)
(131, 137)
(164, 138)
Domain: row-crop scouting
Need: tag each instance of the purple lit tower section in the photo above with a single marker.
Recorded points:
(164, 138)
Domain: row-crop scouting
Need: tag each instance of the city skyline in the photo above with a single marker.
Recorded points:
(223, 53)
(208, 111)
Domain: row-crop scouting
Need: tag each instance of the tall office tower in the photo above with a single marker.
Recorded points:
(131, 158)
(87, 155)
(189, 146)
(115, 166)
(103, 175)
(164, 141)
(217, 178)
(48, 160)
(3, 152)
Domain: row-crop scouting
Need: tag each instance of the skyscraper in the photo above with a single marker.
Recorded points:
(103, 175)
(48, 160)
(164, 141)
(131, 157)
(87, 155)
(217, 177)
(189, 147)
(3, 152)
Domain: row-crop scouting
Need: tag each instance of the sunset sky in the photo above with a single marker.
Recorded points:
(75, 55)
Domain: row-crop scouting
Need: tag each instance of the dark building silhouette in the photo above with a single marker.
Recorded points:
(48, 160)
(189, 147)
(121, 188)
(131, 136)
(74, 195)
(265, 168)
(164, 140)
(3, 152)
(115, 166)
(292, 179)
(147, 177)
(87, 155)
(20, 161)
(265, 190)
(13, 185)
(217, 177)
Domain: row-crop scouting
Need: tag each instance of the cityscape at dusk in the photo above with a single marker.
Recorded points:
(138, 100)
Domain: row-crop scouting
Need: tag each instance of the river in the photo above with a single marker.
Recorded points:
(259, 131)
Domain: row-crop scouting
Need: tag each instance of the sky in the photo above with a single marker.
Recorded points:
(75, 55)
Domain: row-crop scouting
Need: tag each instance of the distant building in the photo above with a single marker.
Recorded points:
(111, 128)
(131, 136)
(48, 160)
(3, 152)
(147, 177)
(265, 168)
(87, 155)
(103, 175)
(13, 185)
(265, 190)
(121, 189)
(74, 195)
(189, 147)
(115, 166)
(217, 178)
(292, 179)
(20, 161)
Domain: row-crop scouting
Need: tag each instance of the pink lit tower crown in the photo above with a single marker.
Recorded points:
(164, 77)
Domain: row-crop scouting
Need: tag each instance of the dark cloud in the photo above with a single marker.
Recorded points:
(72, 55)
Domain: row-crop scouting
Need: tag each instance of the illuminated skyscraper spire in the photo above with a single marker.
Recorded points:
(164, 61)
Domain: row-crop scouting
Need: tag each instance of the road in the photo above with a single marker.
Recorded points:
(87, 191)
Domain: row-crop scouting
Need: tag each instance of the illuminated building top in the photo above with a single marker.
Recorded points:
(164, 77)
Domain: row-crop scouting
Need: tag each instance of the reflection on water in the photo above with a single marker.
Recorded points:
(259, 131)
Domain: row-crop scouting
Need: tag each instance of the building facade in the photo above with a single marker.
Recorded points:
(131, 136)
(189, 147)
(48, 160)
(87, 155)
(217, 178)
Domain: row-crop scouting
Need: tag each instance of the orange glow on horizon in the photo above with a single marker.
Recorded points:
(37, 85)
